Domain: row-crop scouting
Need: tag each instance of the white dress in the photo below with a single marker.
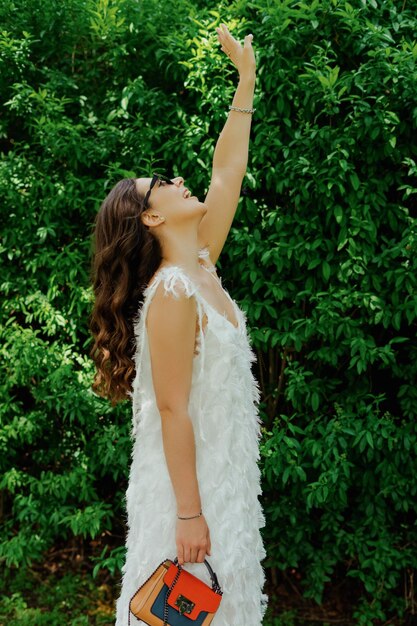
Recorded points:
(223, 408)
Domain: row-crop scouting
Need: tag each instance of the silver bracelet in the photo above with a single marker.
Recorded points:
(201, 513)
(231, 108)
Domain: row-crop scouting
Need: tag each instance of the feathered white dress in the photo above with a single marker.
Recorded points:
(223, 408)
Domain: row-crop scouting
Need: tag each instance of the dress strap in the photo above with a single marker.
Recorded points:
(174, 277)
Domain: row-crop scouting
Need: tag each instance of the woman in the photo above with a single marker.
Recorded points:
(194, 480)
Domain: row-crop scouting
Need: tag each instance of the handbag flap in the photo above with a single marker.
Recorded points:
(192, 588)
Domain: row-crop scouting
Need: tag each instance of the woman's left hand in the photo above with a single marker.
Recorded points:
(243, 57)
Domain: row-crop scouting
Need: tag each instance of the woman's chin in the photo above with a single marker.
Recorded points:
(195, 206)
(193, 202)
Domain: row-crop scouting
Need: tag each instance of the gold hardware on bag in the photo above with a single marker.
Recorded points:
(184, 604)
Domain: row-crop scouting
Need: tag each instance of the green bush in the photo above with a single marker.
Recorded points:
(72, 598)
(321, 256)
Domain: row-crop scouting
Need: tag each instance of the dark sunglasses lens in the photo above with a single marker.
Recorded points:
(166, 179)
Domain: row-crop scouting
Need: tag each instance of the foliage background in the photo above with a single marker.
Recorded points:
(322, 257)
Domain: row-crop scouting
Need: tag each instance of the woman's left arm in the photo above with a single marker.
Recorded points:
(231, 153)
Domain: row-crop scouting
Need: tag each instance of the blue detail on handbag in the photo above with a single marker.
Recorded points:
(174, 617)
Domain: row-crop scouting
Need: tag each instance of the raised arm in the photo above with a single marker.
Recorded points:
(231, 152)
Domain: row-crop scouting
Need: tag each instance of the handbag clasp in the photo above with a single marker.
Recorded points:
(184, 604)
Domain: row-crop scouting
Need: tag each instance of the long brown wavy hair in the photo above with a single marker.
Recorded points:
(125, 256)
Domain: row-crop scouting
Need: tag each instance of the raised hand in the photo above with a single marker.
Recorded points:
(243, 57)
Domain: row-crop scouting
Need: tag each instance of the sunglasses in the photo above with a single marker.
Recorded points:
(155, 178)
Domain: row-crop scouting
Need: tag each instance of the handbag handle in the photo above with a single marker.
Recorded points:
(214, 584)
(214, 581)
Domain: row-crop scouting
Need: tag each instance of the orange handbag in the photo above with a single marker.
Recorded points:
(171, 596)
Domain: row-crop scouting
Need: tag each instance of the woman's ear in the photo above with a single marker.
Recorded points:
(151, 219)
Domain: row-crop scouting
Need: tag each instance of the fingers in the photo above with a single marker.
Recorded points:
(221, 31)
(248, 41)
(201, 556)
(193, 555)
(222, 40)
(180, 554)
(225, 37)
(194, 548)
(228, 42)
(225, 31)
